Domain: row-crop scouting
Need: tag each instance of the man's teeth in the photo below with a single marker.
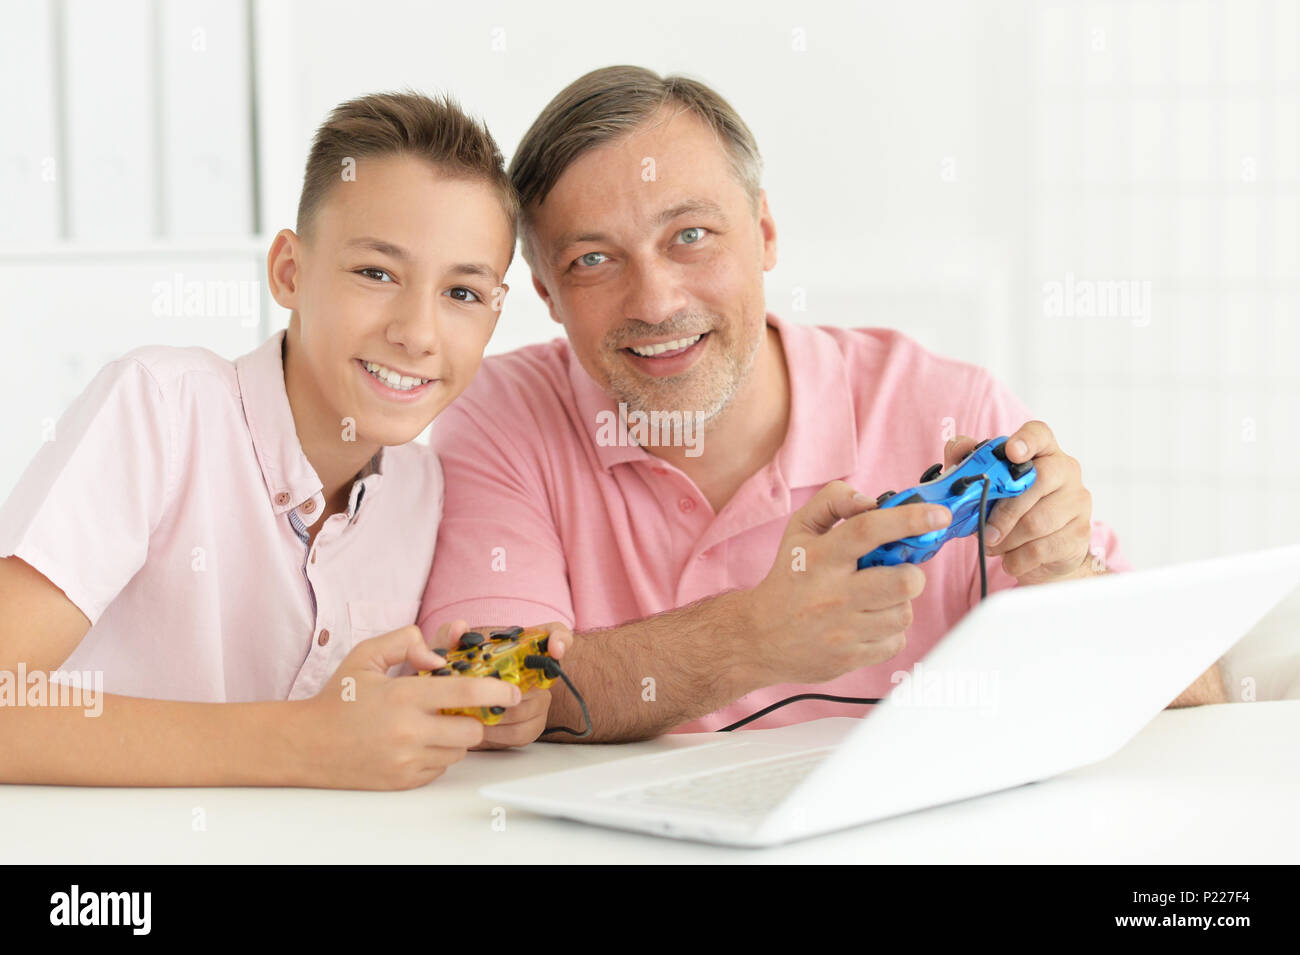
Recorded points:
(394, 380)
(649, 351)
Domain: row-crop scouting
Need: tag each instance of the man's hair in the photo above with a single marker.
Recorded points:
(403, 124)
(609, 103)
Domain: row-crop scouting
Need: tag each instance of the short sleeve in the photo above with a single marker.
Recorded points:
(499, 559)
(84, 510)
(1001, 412)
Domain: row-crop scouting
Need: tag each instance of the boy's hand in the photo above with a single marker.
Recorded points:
(367, 730)
(524, 723)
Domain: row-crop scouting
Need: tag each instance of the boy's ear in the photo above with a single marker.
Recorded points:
(546, 297)
(282, 265)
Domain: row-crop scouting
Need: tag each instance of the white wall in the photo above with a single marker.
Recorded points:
(939, 167)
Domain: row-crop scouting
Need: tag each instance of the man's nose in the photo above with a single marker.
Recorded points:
(654, 292)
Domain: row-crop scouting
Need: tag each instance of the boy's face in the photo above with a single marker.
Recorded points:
(397, 289)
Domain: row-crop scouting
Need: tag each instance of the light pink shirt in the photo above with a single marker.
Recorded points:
(162, 509)
(541, 522)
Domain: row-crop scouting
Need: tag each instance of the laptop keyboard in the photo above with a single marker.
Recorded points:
(749, 789)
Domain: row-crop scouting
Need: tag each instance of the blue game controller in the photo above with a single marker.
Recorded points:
(959, 490)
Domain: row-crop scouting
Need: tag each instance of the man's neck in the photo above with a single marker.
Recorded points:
(746, 436)
(335, 461)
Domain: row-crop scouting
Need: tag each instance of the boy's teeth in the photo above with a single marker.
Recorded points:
(392, 379)
(649, 351)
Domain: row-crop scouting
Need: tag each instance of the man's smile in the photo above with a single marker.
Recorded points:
(670, 357)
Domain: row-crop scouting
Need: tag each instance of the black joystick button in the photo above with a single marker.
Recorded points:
(471, 639)
(461, 665)
(442, 671)
(543, 643)
(884, 497)
(509, 633)
(932, 472)
(496, 710)
(1018, 471)
(1000, 452)
(959, 486)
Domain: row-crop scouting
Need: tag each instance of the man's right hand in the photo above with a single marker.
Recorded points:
(815, 614)
(367, 730)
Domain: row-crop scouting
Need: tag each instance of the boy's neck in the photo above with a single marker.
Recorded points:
(335, 461)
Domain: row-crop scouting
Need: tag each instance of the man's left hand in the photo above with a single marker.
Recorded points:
(1044, 534)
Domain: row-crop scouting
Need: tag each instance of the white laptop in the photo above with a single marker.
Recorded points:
(1033, 682)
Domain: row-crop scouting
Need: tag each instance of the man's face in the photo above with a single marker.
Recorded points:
(397, 288)
(651, 255)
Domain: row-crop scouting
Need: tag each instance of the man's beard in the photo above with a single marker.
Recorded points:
(704, 392)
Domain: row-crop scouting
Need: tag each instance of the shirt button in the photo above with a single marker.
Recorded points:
(686, 505)
(309, 507)
(324, 638)
(282, 499)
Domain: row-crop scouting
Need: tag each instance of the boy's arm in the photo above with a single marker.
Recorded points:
(364, 730)
(131, 741)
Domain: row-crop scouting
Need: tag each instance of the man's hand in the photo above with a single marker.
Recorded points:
(816, 616)
(523, 723)
(1043, 535)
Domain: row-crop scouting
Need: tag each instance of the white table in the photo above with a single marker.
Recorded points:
(1213, 784)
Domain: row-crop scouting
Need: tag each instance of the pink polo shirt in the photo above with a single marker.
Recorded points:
(541, 522)
(165, 509)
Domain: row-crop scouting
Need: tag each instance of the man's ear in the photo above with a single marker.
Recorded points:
(767, 228)
(540, 287)
(282, 268)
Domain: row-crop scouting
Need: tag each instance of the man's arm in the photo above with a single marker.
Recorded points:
(643, 678)
(805, 625)
(1208, 688)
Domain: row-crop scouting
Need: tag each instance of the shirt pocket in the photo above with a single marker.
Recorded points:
(373, 618)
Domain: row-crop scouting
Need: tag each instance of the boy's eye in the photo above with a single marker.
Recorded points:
(589, 259)
(379, 275)
(462, 294)
(692, 235)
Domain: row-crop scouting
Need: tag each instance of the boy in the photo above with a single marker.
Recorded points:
(238, 551)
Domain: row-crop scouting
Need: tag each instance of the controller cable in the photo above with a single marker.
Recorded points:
(551, 667)
(984, 590)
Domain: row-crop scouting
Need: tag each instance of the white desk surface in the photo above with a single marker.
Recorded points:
(1212, 784)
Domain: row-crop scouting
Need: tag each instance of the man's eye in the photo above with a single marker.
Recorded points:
(379, 275)
(590, 259)
(692, 235)
(462, 294)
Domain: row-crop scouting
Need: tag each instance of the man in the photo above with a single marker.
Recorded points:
(712, 573)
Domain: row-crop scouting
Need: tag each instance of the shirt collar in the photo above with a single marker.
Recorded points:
(821, 443)
(289, 477)
(599, 414)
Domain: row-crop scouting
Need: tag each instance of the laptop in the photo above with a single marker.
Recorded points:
(1033, 682)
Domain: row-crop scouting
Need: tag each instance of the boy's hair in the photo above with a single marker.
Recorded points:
(403, 124)
(609, 103)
